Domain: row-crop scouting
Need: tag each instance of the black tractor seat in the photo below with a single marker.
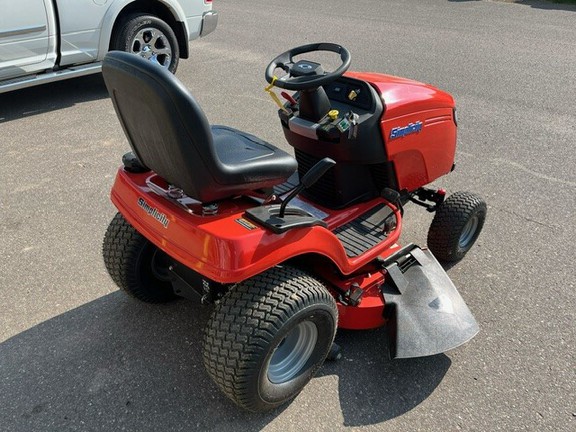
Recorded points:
(170, 134)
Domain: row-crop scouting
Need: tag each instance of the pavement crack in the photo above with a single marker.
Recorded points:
(500, 161)
(526, 218)
(533, 173)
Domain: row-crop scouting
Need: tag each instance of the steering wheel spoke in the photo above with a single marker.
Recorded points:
(303, 79)
(286, 66)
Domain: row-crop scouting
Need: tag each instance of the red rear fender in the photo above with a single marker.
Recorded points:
(226, 247)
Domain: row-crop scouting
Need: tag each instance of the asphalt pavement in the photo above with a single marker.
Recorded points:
(77, 355)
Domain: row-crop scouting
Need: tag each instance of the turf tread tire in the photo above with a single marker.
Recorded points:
(449, 222)
(123, 250)
(245, 323)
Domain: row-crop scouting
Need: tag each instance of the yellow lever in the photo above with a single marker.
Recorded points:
(274, 96)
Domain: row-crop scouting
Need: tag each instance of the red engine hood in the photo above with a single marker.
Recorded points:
(402, 96)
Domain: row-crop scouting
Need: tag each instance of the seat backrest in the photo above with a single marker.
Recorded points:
(166, 128)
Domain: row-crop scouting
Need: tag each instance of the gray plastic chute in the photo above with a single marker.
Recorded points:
(425, 312)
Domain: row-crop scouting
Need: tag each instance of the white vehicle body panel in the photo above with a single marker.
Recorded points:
(27, 41)
(80, 29)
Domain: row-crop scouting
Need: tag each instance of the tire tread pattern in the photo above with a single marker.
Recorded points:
(449, 221)
(248, 318)
(121, 249)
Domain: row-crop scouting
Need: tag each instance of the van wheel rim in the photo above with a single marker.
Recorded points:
(151, 44)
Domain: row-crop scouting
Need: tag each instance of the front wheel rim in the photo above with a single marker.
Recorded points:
(468, 233)
(153, 45)
(292, 353)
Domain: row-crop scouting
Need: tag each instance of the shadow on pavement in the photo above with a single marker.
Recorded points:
(117, 364)
(373, 388)
(548, 5)
(49, 97)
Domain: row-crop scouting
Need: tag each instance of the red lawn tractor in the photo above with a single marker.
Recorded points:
(289, 248)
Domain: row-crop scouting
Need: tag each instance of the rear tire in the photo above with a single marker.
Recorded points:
(268, 337)
(135, 264)
(456, 226)
(149, 37)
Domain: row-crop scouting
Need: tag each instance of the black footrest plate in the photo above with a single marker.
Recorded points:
(364, 232)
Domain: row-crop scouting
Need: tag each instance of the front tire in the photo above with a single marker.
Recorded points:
(456, 226)
(135, 264)
(268, 337)
(149, 37)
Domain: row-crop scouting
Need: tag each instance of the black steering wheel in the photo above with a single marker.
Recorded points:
(305, 75)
